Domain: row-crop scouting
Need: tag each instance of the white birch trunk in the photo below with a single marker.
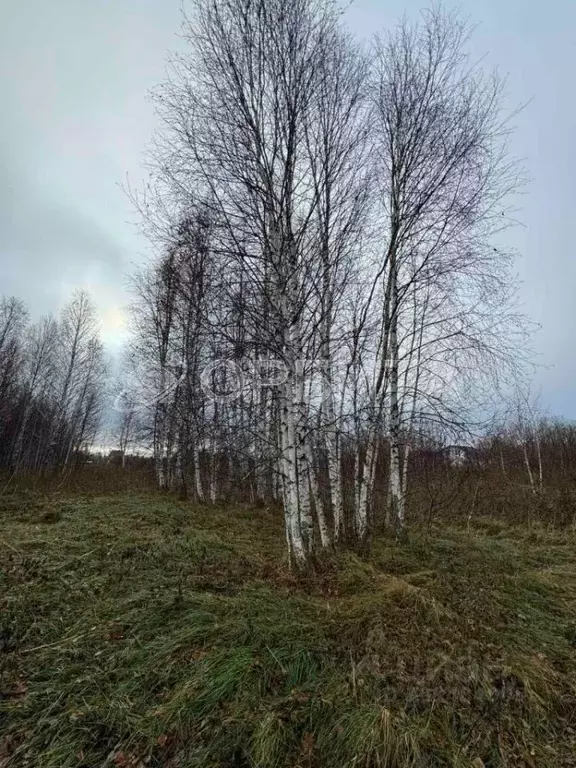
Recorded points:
(328, 409)
(527, 464)
(539, 456)
(290, 478)
(333, 454)
(366, 487)
(396, 493)
(213, 488)
(302, 453)
(160, 435)
(197, 474)
(324, 530)
(292, 409)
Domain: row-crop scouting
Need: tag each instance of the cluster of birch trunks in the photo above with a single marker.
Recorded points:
(328, 285)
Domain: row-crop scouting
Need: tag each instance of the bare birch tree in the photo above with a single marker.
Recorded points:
(251, 123)
(444, 177)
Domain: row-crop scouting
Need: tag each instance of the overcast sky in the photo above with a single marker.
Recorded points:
(75, 119)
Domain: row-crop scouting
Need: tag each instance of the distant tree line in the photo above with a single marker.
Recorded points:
(52, 386)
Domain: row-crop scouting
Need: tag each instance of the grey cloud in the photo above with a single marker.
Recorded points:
(44, 241)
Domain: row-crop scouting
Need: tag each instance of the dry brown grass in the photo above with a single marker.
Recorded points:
(139, 630)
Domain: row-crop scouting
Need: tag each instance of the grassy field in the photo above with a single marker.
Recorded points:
(141, 631)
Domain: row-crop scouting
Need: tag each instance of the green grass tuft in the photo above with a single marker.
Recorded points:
(141, 631)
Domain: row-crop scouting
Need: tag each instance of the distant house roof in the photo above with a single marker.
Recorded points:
(459, 452)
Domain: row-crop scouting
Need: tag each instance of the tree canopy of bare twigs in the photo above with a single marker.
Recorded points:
(330, 291)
